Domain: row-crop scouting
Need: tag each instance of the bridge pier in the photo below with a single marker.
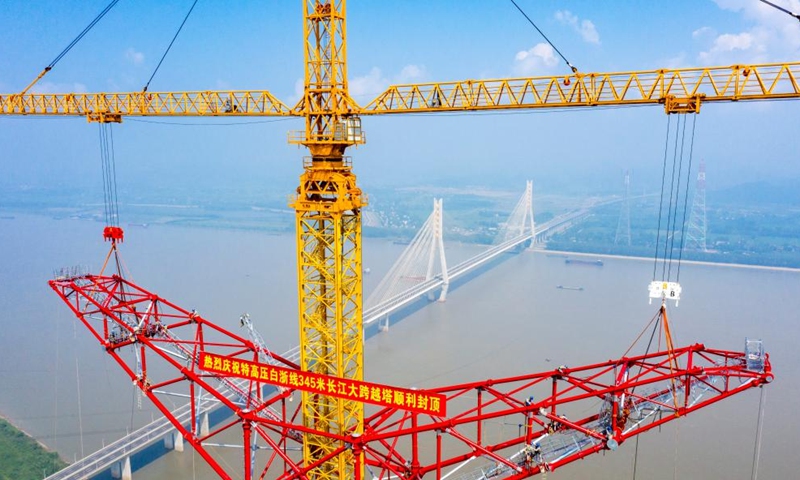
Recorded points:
(204, 428)
(443, 295)
(122, 469)
(174, 441)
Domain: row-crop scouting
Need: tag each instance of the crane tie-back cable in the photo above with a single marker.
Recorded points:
(71, 44)
(170, 46)
(573, 68)
(788, 12)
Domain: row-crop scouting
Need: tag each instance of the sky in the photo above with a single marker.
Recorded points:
(258, 45)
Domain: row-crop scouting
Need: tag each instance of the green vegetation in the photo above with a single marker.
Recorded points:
(22, 458)
(767, 235)
(756, 224)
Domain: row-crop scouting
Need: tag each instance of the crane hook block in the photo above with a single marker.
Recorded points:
(113, 234)
(665, 290)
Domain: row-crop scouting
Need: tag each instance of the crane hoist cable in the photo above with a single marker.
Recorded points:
(112, 231)
(661, 198)
(674, 199)
(678, 187)
(71, 44)
(572, 67)
(664, 288)
(686, 200)
(170, 46)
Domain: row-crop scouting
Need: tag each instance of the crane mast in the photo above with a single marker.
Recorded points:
(328, 227)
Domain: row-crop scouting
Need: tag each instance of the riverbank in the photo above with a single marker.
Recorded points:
(686, 262)
(24, 458)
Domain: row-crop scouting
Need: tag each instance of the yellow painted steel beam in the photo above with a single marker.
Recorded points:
(679, 90)
(100, 106)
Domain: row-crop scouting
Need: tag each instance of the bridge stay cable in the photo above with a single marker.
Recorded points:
(413, 275)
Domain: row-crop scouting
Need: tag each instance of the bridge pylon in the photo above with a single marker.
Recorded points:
(437, 245)
(521, 220)
(623, 235)
(417, 264)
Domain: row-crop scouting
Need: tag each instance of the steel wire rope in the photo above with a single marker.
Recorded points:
(81, 35)
(759, 431)
(670, 204)
(114, 173)
(55, 387)
(170, 46)
(661, 201)
(109, 175)
(71, 44)
(686, 199)
(133, 403)
(784, 10)
(675, 442)
(573, 68)
(676, 205)
(657, 318)
(103, 163)
(80, 410)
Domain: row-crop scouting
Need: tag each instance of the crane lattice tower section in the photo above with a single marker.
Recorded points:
(697, 227)
(328, 224)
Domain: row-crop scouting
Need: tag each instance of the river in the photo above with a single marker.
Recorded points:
(59, 386)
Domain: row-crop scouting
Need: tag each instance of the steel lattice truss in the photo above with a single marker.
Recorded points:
(158, 344)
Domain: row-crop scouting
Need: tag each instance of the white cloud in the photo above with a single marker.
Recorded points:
(703, 32)
(536, 61)
(771, 35)
(370, 84)
(50, 87)
(411, 73)
(676, 62)
(297, 94)
(366, 87)
(585, 28)
(136, 58)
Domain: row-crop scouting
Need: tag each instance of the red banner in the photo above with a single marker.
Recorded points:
(418, 401)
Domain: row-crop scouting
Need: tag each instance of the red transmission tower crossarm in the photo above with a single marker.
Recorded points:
(635, 394)
(158, 345)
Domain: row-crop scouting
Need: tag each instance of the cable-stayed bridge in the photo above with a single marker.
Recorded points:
(412, 276)
(420, 271)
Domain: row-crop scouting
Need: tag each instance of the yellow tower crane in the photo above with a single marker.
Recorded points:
(328, 201)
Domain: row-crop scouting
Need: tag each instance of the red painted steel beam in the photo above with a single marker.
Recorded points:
(636, 394)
